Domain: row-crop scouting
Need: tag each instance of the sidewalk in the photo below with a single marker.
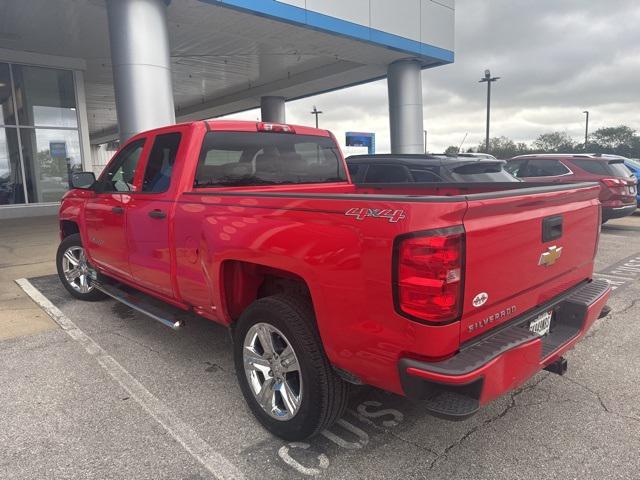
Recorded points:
(27, 249)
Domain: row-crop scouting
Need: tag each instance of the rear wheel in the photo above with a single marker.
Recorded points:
(283, 371)
(74, 270)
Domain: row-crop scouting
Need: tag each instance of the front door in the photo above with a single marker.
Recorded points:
(105, 214)
(149, 214)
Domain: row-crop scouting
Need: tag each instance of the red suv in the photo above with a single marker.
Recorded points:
(618, 185)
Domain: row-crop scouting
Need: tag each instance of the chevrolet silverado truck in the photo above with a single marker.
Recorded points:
(452, 294)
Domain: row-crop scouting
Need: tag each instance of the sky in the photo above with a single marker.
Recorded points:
(556, 58)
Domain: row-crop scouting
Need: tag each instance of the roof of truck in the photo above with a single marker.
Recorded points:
(255, 126)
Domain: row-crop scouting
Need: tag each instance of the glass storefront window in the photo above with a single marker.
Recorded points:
(11, 189)
(45, 97)
(49, 158)
(7, 116)
(39, 136)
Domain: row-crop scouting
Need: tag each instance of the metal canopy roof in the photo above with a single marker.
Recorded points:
(225, 54)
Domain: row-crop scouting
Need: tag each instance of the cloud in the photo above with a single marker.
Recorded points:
(555, 59)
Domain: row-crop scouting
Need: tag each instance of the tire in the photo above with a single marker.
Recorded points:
(80, 286)
(319, 395)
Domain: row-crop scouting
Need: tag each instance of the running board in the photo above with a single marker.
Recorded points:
(138, 302)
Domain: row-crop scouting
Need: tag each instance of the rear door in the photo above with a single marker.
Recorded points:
(524, 249)
(105, 213)
(149, 216)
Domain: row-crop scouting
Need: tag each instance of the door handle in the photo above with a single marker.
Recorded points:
(157, 214)
(118, 210)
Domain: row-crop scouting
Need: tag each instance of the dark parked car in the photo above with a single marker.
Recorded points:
(618, 186)
(405, 168)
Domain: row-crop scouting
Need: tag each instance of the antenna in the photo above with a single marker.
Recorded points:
(463, 139)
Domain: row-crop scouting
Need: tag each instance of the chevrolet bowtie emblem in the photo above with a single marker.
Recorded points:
(551, 256)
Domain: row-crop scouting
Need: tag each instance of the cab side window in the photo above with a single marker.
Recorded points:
(157, 175)
(119, 175)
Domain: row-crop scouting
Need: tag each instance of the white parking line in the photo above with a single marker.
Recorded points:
(213, 461)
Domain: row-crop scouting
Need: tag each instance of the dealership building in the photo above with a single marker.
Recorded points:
(76, 76)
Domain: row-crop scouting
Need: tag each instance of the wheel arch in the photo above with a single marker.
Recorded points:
(67, 228)
(242, 282)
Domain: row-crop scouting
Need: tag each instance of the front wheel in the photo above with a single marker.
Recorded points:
(283, 371)
(74, 270)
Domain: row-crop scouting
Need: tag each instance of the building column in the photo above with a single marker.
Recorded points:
(140, 59)
(404, 84)
(272, 109)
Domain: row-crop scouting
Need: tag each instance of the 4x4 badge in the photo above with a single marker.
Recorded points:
(361, 213)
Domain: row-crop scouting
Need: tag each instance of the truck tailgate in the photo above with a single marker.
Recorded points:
(523, 250)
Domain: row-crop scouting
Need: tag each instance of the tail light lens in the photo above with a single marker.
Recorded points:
(429, 268)
(613, 182)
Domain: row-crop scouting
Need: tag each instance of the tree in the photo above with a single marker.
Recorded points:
(502, 147)
(620, 140)
(554, 142)
(451, 150)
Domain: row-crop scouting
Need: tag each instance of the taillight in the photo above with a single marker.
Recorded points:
(275, 128)
(428, 274)
(613, 182)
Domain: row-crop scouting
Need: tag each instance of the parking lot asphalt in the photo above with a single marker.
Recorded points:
(113, 394)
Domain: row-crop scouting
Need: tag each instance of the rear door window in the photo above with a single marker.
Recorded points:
(482, 171)
(157, 175)
(387, 174)
(425, 175)
(545, 168)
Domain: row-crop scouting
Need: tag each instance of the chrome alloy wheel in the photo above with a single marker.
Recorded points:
(76, 270)
(273, 371)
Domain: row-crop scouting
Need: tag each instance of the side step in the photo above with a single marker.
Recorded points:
(143, 304)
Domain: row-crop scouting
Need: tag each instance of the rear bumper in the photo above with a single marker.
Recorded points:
(618, 212)
(505, 359)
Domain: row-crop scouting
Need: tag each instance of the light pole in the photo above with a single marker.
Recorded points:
(489, 79)
(316, 112)
(425, 142)
(586, 130)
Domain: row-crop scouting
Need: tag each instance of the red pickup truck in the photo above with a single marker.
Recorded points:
(453, 294)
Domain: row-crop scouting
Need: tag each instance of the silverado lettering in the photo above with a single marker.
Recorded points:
(507, 312)
(251, 225)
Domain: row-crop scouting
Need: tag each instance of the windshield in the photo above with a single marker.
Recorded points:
(267, 158)
(634, 163)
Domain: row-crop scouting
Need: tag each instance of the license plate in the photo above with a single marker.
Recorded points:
(542, 323)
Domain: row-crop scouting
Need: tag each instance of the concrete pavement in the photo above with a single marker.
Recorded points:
(27, 249)
(67, 415)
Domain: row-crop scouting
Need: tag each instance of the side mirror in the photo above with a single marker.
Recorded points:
(83, 180)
